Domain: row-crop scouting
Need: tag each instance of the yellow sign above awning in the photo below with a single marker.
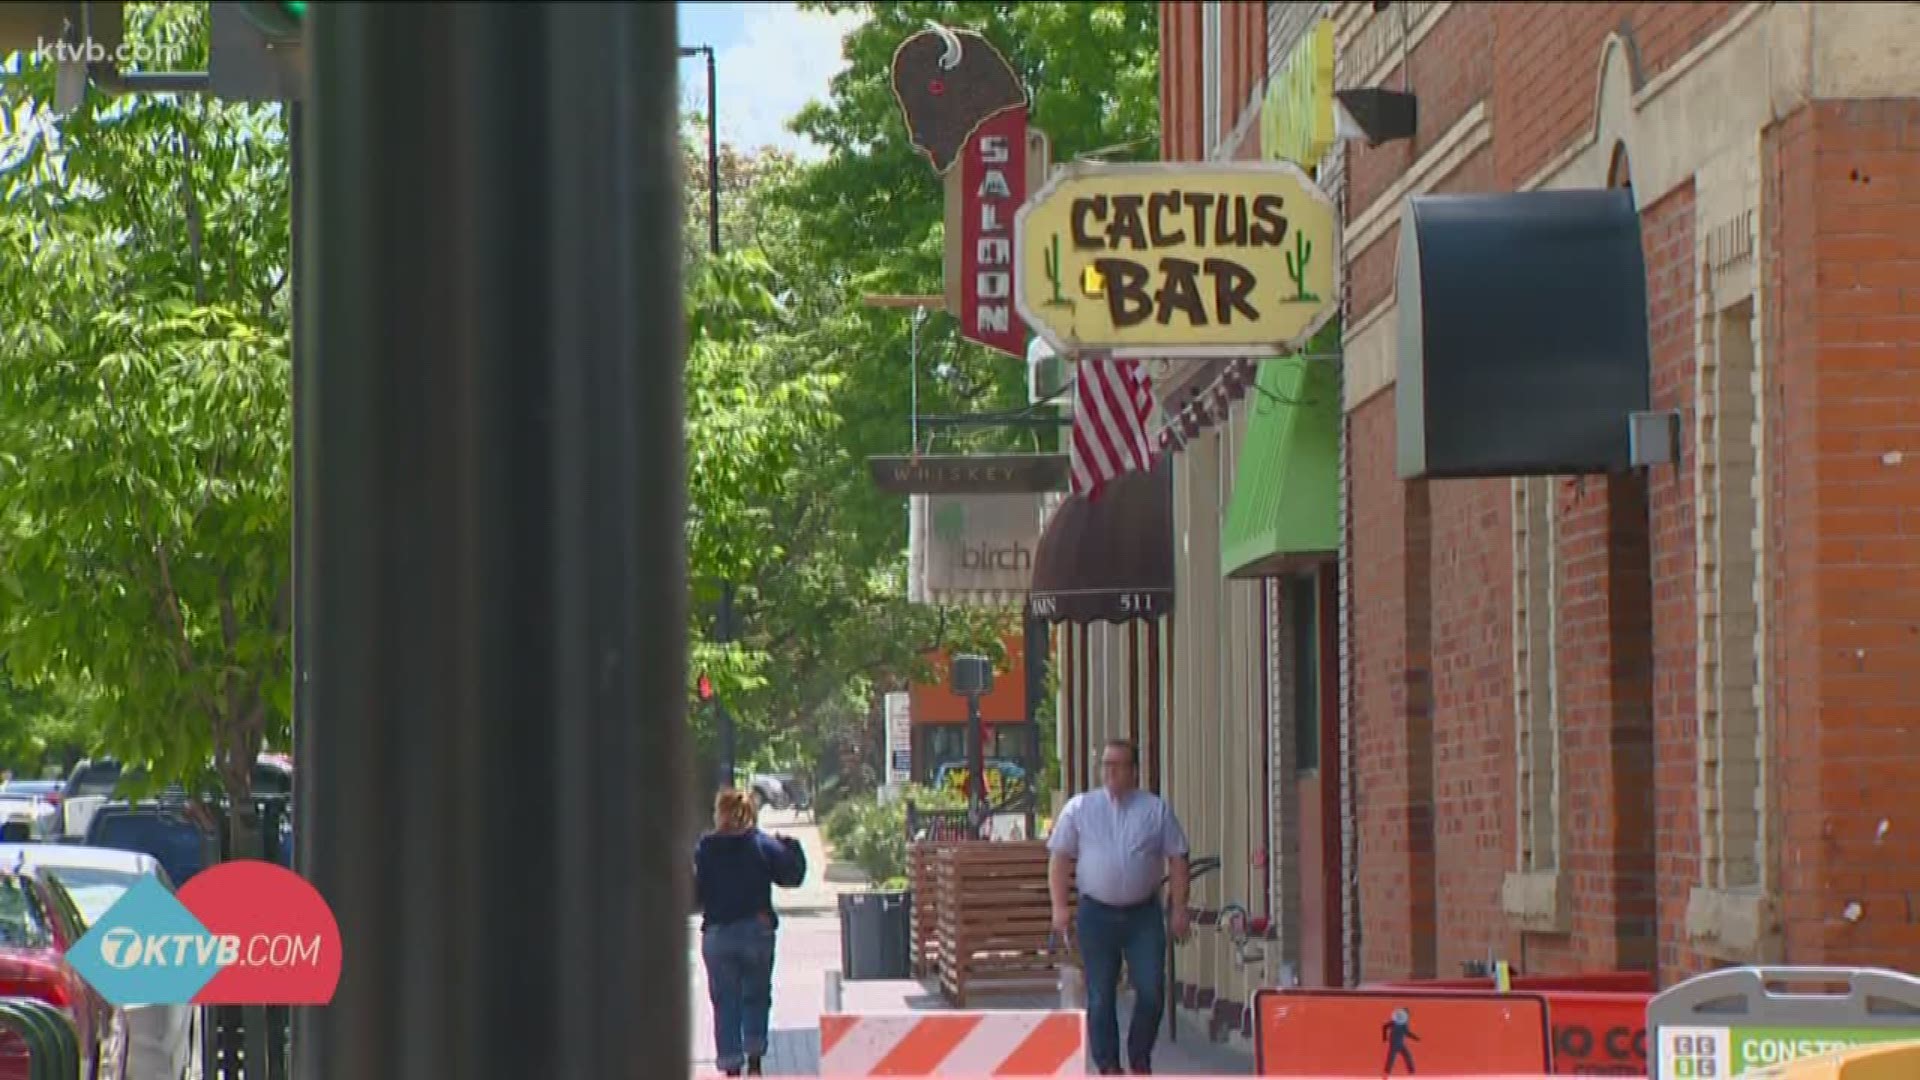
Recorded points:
(1186, 260)
(1296, 118)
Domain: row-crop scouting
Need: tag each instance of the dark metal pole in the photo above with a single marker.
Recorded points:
(976, 764)
(302, 555)
(729, 747)
(713, 154)
(723, 629)
(494, 402)
(1034, 643)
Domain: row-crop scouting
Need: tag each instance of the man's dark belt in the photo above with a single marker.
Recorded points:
(1135, 906)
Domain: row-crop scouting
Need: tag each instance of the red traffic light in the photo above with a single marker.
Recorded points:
(705, 688)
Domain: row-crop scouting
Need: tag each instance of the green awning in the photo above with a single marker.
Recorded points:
(1285, 511)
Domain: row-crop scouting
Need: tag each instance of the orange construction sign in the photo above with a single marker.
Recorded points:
(1384, 1033)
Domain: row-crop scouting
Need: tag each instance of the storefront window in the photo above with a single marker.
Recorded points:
(935, 745)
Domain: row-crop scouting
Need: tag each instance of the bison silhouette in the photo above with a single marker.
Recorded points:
(948, 83)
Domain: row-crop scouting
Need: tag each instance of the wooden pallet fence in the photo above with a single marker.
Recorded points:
(994, 919)
(925, 916)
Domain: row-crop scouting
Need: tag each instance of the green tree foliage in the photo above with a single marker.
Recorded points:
(825, 624)
(145, 424)
(873, 210)
(821, 621)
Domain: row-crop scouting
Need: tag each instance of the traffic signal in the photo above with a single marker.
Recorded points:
(258, 51)
(705, 687)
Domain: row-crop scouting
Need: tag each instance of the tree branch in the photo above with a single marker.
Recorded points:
(196, 226)
(229, 619)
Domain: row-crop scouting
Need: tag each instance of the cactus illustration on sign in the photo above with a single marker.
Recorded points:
(1053, 274)
(1297, 261)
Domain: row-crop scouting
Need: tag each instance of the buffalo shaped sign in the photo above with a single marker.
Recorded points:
(949, 82)
(966, 112)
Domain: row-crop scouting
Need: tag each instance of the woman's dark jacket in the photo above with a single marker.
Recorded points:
(733, 876)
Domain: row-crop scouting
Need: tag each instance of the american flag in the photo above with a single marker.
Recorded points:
(1112, 400)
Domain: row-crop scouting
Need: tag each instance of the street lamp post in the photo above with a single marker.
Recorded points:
(723, 625)
(713, 146)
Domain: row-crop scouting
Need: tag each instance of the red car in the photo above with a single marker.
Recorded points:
(38, 923)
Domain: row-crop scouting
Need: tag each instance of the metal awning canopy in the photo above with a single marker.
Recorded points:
(1523, 344)
(1285, 510)
(1109, 559)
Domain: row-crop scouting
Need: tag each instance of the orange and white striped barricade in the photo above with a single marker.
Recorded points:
(973, 1044)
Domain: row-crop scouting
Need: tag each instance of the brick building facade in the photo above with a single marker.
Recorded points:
(1651, 721)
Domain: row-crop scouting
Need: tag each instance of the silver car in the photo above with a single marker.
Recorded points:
(160, 1038)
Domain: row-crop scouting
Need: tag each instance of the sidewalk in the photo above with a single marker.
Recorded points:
(810, 947)
(1189, 1055)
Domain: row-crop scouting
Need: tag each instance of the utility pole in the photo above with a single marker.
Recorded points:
(491, 376)
(723, 623)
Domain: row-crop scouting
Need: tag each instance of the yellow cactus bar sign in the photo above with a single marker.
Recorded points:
(1296, 118)
(1225, 259)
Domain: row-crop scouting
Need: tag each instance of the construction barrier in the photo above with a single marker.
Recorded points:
(1610, 982)
(1742, 1021)
(998, 1043)
(1386, 1033)
(1343, 1076)
(1599, 1019)
(1889, 1062)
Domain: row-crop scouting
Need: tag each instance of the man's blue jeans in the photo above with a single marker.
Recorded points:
(1137, 934)
(739, 958)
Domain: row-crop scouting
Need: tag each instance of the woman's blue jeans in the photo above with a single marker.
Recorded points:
(1108, 935)
(739, 958)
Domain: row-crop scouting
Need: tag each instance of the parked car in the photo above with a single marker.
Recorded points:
(272, 775)
(782, 791)
(160, 1038)
(39, 922)
(28, 816)
(182, 842)
(50, 790)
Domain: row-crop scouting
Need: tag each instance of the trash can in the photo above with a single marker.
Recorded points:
(876, 935)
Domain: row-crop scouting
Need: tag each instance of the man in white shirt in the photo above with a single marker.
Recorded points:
(1117, 844)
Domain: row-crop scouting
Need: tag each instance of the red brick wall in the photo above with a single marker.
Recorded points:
(1605, 684)
(1392, 711)
(1670, 243)
(1181, 102)
(1547, 61)
(1472, 598)
(1627, 618)
(1243, 63)
(1843, 194)
(1451, 74)
(1370, 273)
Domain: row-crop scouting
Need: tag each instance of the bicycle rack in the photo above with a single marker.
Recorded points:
(53, 1046)
(1196, 869)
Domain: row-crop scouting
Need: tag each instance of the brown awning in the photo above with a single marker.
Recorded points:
(1109, 560)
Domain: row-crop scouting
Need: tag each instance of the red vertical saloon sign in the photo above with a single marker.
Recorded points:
(993, 185)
